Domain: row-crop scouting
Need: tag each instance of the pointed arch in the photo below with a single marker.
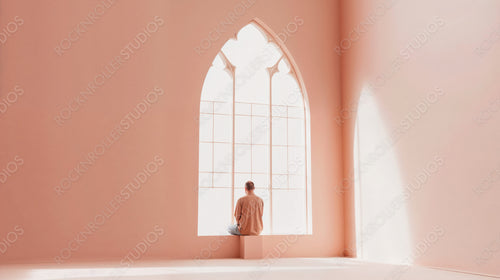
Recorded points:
(254, 125)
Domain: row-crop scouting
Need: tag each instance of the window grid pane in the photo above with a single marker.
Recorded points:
(286, 174)
(255, 136)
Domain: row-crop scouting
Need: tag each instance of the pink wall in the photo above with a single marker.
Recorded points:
(69, 154)
(145, 104)
(455, 48)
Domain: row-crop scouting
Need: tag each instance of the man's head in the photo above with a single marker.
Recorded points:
(249, 187)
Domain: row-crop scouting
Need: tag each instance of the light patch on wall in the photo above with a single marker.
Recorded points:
(382, 230)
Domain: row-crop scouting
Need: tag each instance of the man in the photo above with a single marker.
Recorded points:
(248, 213)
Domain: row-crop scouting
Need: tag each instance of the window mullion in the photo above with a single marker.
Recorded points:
(271, 150)
(232, 71)
(233, 140)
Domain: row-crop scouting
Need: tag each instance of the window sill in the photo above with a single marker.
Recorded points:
(281, 234)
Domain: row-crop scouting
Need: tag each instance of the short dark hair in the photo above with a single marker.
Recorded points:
(249, 185)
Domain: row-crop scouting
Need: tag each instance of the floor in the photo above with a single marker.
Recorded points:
(290, 269)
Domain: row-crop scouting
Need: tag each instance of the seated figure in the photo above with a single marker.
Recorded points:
(248, 213)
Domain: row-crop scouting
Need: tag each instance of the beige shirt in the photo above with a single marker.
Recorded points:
(248, 214)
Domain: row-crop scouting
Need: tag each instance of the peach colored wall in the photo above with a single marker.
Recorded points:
(460, 56)
(69, 155)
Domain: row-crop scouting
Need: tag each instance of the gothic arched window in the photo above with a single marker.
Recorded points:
(254, 125)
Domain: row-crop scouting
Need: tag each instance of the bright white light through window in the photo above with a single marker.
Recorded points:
(254, 126)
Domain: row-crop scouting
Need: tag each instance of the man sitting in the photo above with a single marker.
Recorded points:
(248, 213)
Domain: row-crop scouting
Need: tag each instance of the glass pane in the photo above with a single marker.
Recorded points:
(223, 128)
(223, 180)
(260, 130)
(219, 62)
(206, 127)
(205, 179)
(294, 94)
(296, 160)
(260, 159)
(214, 211)
(243, 51)
(297, 181)
(252, 48)
(279, 111)
(205, 152)
(296, 132)
(223, 157)
(206, 107)
(284, 66)
(296, 112)
(260, 110)
(223, 108)
(289, 211)
(243, 108)
(239, 181)
(286, 90)
(272, 53)
(261, 181)
(242, 158)
(280, 131)
(266, 218)
(252, 86)
(243, 129)
(218, 86)
(280, 90)
(280, 162)
(280, 181)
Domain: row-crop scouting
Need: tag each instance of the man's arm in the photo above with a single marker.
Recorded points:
(237, 212)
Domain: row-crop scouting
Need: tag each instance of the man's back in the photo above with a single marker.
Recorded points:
(248, 213)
